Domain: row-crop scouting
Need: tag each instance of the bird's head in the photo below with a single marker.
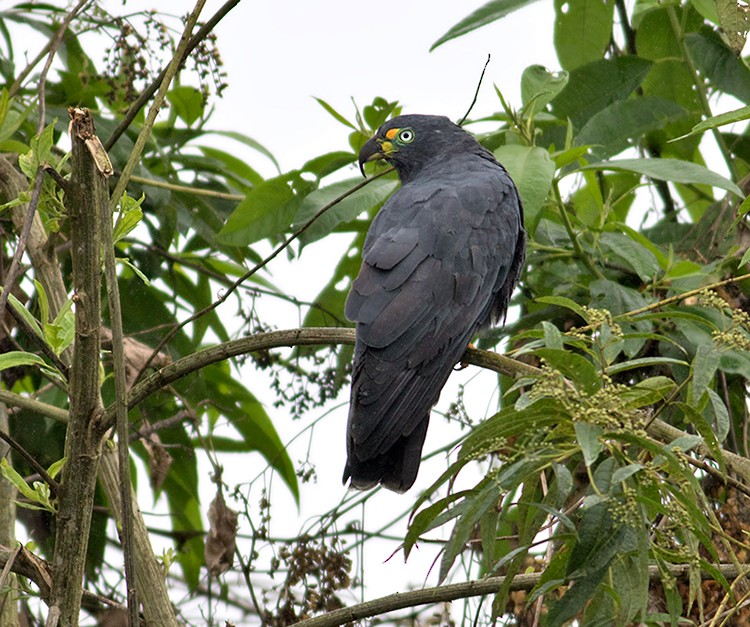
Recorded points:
(408, 142)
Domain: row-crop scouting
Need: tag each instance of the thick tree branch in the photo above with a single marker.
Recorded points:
(39, 178)
(476, 588)
(152, 589)
(27, 564)
(330, 336)
(83, 438)
(8, 583)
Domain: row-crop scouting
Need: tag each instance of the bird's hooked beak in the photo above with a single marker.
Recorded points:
(374, 148)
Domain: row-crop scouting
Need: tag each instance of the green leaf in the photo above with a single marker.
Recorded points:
(715, 121)
(249, 141)
(130, 215)
(719, 64)
(423, 521)
(594, 86)
(478, 502)
(674, 170)
(589, 439)
(505, 424)
(18, 307)
(328, 163)
(623, 123)
(593, 17)
(698, 420)
(15, 359)
(187, 102)
(574, 367)
(266, 211)
(364, 200)
(631, 253)
(335, 113)
(39, 495)
(625, 472)
(562, 301)
(599, 539)
(539, 87)
(56, 467)
(552, 336)
(721, 415)
(702, 370)
(60, 333)
(484, 15)
(532, 169)
(244, 174)
(643, 362)
(128, 264)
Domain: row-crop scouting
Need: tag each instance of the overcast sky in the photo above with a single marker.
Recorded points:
(280, 54)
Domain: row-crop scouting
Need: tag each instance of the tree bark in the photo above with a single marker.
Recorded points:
(150, 578)
(9, 590)
(83, 441)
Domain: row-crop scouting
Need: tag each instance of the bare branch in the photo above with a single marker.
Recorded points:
(468, 589)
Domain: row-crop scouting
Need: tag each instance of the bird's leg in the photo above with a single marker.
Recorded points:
(462, 364)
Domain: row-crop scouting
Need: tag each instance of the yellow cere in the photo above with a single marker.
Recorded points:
(391, 133)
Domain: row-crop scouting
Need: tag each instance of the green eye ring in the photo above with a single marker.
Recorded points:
(405, 136)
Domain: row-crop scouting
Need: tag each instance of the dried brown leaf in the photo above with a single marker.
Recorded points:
(219, 550)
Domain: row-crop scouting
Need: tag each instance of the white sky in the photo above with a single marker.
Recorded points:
(280, 54)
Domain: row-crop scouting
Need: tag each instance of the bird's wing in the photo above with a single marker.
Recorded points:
(435, 258)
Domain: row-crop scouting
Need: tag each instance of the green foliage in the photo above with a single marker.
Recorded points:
(633, 224)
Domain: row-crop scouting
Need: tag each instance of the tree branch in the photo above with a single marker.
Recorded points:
(83, 437)
(476, 588)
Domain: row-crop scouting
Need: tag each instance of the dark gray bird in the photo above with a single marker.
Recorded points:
(439, 263)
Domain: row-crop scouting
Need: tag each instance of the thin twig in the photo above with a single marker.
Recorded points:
(37, 407)
(188, 189)
(166, 79)
(113, 294)
(54, 486)
(39, 178)
(7, 569)
(668, 301)
(580, 253)
(476, 92)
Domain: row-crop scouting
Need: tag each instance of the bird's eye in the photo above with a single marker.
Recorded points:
(406, 136)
